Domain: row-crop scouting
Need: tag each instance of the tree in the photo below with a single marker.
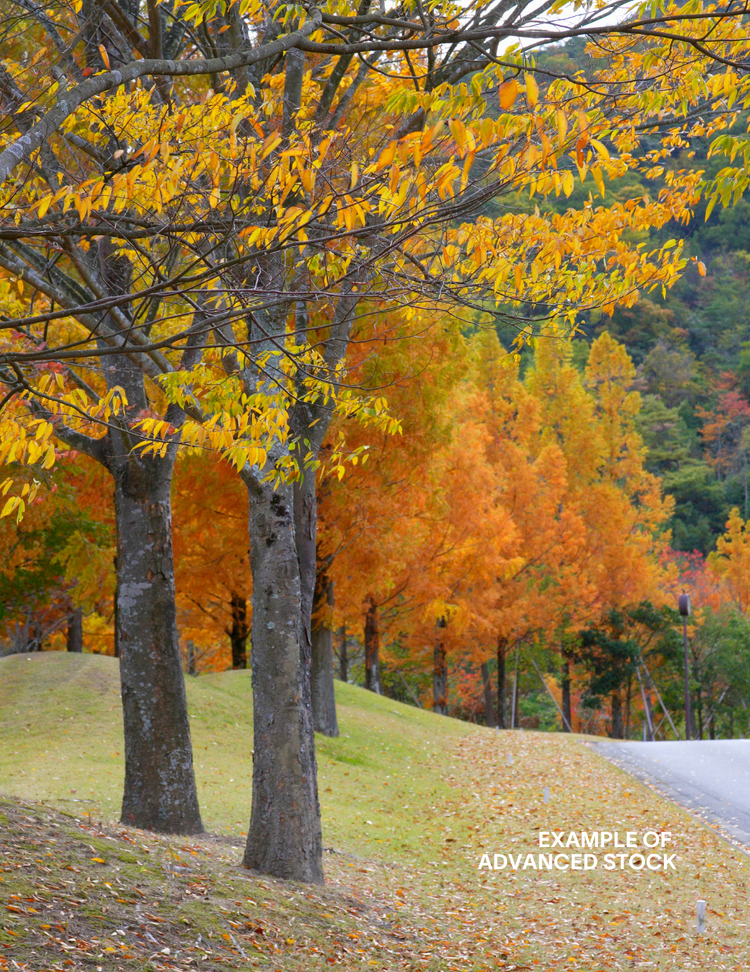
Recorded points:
(611, 659)
(731, 561)
(212, 572)
(212, 249)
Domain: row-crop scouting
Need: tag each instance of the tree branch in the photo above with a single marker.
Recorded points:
(23, 147)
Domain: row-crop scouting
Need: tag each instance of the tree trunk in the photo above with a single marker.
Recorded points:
(372, 646)
(439, 673)
(284, 838)
(502, 646)
(628, 702)
(321, 673)
(116, 643)
(489, 702)
(616, 704)
(343, 656)
(190, 658)
(239, 631)
(160, 792)
(75, 630)
(565, 682)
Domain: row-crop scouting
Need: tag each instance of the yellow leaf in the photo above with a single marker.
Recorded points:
(532, 90)
(596, 172)
(105, 56)
(701, 268)
(10, 505)
(270, 144)
(600, 148)
(458, 131)
(387, 155)
(507, 93)
(518, 277)
(44, 206)
(395, 175)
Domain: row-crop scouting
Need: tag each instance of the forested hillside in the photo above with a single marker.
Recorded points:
(690, 343)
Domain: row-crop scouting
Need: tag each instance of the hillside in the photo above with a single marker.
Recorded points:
(410, 800)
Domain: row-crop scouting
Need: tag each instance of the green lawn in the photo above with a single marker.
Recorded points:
(411, 801)
(60, 741)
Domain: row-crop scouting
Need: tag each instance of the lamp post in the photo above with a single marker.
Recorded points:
(683, 604)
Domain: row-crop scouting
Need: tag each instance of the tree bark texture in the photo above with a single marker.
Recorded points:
(239, 631)
(502, 647)
(565, 683)
(372, 646)
(191, 658)
(439, 673)
(616, 708)
(75, 631)
(316, 589)
(343, 656)
(284, 838)
(489, 702)
(321, 673)
(160, 792)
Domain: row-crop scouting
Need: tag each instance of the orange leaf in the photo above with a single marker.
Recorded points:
(387, 155)
(580, 146)
(507, 93)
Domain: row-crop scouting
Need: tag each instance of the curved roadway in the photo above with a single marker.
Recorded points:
(709, 777)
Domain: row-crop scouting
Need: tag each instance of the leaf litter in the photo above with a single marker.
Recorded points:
(82, 895)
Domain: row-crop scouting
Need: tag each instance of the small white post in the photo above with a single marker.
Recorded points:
(700, 925)
(546, 794)
(510, 759)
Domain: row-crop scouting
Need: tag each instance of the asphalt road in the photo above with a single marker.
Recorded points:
(711, 777)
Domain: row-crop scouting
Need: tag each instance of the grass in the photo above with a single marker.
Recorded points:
(410, 803)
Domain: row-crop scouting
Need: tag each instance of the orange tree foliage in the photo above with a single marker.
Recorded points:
(731, 561)
(533, 515)
(211, 556)
(60, 558)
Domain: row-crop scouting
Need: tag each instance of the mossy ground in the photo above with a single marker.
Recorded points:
(410, 803)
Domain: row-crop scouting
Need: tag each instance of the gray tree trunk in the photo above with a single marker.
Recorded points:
(321, 674)
(239, 631)
(502, 647)
(566, 707)
(343, 656)
(284, 838)
(439, 674)
(372, 646)
(616, 705)
(75, 631)
(489, 702)
(160, 792)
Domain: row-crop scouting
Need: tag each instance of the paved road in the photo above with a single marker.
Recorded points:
(711, 777)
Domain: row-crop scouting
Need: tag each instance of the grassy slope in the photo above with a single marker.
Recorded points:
(410, 801)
